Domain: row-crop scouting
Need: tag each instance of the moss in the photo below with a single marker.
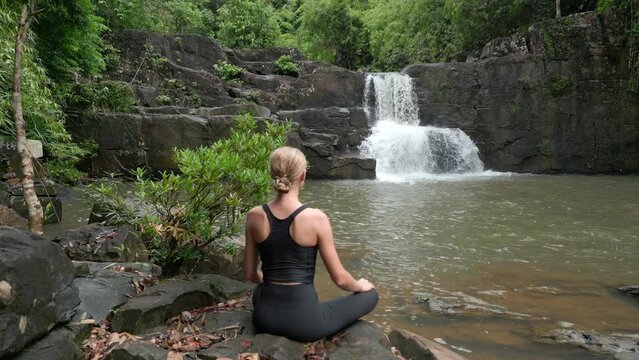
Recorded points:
(557, 87)
(99, 96)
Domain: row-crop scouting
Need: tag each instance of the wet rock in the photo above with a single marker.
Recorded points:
(9, 217)
(136, 350)
(632, 290)
(229, 265)
(56, 345)
(362, 340)
(461, 303)
(95, 242)
(30, 308)
(413, 346)
(622, 345)
(162, 301)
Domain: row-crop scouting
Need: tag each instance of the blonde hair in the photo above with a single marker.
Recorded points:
(286, 165)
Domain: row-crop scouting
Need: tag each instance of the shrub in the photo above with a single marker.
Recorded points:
(228, 72)
(183, 215)
(101, 96)
(247, 23)
(163, 99)
(285, 65)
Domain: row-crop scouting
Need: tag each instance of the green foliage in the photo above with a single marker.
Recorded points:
(163, 99)
(285, 65)
(331, 31)
(43, 116)
(172, 16)
(114, 96)
(68, 38)
(228, 72)
(183, 215)
(247, 23)
(556, 87)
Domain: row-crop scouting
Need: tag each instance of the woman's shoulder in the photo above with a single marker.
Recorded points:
(313, 214)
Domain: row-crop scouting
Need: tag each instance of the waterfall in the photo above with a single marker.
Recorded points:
(400, 145)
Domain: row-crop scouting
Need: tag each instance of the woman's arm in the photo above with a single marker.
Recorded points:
(342, 278)
(251, 272)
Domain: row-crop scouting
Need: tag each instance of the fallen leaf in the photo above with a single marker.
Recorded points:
(174, 356)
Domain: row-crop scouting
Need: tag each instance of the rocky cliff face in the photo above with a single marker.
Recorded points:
(552, 100)
(181, 103)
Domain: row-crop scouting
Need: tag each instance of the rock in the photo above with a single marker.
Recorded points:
(554, 110)
(413, 346)
(95, 242)
(632, 290)
(229, 265)
(9, 217)
(56, 345)
(362, 340)
(461, 303)
(267, 346)
(28, 308)
(500, 47)
(136, 350)
(164, 300)
(17, 203)
(102, 290)
(240, 319)
(612, 344)
(351, 168)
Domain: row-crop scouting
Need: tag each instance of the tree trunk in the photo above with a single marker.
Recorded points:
(31, 199)
(557, 9)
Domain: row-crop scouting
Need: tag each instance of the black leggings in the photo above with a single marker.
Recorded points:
(295, 312)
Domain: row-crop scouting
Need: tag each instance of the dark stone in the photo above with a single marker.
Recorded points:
(222, 264)
(363, 340)
(136, 350)
(56, 345)
(632, 290)
(95, 242)
(28, 308)
(267, 346)
(162, 301)
(101, 291)
(510, 45)
(555, 110)
(9, 217)
(237, 319)
(612, 344)
(461, 303)
(413, 346)
(351, 168)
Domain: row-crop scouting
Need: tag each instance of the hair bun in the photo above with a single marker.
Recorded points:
(282, 184)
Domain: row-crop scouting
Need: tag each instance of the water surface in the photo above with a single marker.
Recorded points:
(550, 248)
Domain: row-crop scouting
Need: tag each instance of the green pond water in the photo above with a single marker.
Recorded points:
(545, 248)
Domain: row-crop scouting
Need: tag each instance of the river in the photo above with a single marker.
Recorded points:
(547, 248)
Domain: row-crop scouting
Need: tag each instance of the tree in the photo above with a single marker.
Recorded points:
(331, 31)
(557, 9)
(34, 208)
(247, 23)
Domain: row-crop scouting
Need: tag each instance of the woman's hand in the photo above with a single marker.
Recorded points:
(363, 285)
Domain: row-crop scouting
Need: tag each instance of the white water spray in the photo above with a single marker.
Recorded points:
(400, 145)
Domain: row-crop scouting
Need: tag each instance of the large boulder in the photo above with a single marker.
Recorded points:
(160, 302)
(36, 288)
(57, 345)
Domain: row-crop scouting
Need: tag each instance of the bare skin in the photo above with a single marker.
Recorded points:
(311, 227)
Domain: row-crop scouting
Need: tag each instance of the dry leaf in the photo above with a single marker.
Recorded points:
(174, 356)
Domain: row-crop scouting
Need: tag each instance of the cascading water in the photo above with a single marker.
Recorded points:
(400, 145)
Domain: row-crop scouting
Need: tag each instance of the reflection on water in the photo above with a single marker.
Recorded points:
(551, 247)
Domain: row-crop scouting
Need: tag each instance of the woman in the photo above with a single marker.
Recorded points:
(287, 235)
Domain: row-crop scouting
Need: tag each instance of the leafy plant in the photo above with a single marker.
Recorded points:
(285, 65)
(98, 96)
(183, 215)
(227, 71)
(556, 87)
(163, 99)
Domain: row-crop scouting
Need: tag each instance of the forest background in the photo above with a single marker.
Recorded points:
(69, 42)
